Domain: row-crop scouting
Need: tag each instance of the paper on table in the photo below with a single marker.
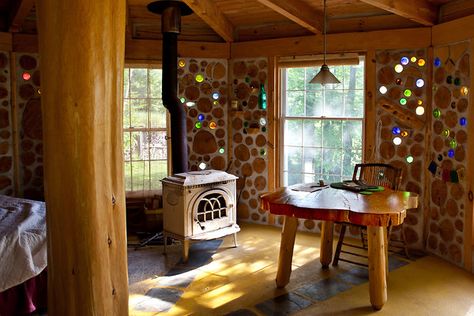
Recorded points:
(308, 187)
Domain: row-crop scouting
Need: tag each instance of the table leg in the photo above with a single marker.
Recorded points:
(377, 266)
(287, 244)
(325, 256)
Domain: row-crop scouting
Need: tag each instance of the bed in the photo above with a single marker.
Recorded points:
(23, 255)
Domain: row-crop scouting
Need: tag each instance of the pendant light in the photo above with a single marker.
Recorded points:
(324, 75)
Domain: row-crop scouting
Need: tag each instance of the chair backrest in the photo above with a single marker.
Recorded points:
(378, 174)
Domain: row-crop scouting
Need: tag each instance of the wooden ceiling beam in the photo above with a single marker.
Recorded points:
(208, 11)
(18, 12)
(299, 12)
(420, 11)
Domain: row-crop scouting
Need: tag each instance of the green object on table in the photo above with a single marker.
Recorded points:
(375, 189)
(365, 192)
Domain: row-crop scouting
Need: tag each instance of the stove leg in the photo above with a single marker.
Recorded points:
(185, 250)
(165, 241)
(235, 240)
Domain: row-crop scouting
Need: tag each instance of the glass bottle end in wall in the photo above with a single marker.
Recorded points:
(262, 98)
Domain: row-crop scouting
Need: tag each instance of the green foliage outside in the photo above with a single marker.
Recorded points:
(323, 125)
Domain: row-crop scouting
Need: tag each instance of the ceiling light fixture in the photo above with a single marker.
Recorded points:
(324, 75)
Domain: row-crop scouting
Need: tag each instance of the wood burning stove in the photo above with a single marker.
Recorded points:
(199, 205)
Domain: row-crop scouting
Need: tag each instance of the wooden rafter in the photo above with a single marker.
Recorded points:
(18, 13)
(207, 10)
(297, 11)
(420, 11)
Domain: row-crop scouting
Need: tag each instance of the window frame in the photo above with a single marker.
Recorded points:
(145, 191)
(282, 85)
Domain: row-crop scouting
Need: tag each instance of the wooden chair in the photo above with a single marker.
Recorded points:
(371, 174)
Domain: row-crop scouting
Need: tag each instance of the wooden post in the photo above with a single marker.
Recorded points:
(81, 45)
(376, 236)
(469, 204)
(370, 126)
(325, 257)
(287, 244)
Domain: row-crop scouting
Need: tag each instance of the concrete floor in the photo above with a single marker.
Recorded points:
(241, 281)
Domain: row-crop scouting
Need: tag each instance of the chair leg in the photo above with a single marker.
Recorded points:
(362, 239)
(404, 240)
(339, 244)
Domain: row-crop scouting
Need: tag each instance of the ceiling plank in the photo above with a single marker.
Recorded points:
(208, 11)
(18, 13)
(297, 11)
(420, 11)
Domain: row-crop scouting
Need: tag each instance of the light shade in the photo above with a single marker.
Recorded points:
(324, 76)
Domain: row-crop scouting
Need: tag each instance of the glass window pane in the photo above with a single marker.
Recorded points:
(292, 159)
(128, 176)
(138, 83)
(295, 103)
(332, 134)
(157, 145)
(155, 83)
(312, 135)
(316, 147)
(314, 103)
(293, 132)
(126, 113)
(139, 113)
(360, 80)
(312, 160)
(354, 103)
(285, 178)
(157, 114)
(352, 134)
(140, 175)
(295, 79)
(310, 178)
(126, 146)
(310, 74)
(294, 178)
(333, 103)
(158, 171)
(143, 109)
(332, 161)
(138, 144)
(351, 158)
(126, 83)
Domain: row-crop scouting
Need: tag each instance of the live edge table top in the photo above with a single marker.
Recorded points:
(383, 208)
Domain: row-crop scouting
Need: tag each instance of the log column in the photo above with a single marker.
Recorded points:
(82, 51)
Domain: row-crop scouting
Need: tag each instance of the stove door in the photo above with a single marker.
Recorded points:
(212, 210)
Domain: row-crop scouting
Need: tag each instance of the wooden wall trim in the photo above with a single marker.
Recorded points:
(143, 50)
(343, 42)
(6, 41)
(273, 124)
(453, 31)
(469, 207)
(25, 43)
(370, 128)
(426, 202)
(152, 49)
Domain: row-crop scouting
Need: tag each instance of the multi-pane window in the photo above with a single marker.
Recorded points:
(144, 127)
(322, 126)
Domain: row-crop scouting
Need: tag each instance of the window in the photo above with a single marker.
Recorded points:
(321, 130)
(144, 128)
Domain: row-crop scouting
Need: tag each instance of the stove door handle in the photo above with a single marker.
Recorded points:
(199, 223)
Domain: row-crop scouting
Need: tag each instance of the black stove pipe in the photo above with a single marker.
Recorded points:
(179, 147)
(171, 12)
